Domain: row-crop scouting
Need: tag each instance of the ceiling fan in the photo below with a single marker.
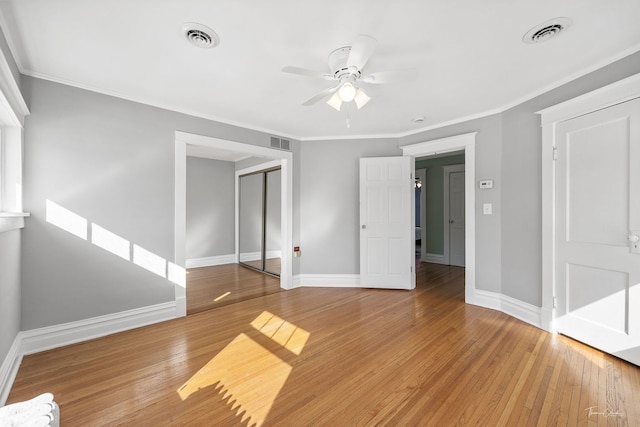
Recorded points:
(345, 66)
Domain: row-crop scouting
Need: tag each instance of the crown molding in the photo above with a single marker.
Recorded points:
(270, 131)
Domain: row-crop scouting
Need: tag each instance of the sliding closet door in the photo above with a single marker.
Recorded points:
(260, 221)
(251, 218)
(273, 219)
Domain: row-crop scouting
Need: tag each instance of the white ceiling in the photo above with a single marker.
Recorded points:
(468, 53)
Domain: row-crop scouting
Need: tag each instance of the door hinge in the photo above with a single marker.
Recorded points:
(555, 153)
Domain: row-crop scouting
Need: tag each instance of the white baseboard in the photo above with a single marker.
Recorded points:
(36, 340)
(9, 369)
(520, 310)
(255, 256)
(327, 280)
(210, 261)
(435, 259)
(49, 337)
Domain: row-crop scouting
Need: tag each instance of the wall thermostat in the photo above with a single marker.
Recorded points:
(486, 184)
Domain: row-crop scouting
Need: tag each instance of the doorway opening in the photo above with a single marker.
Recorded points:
(460, 144)
(245, 158)
(440, 216)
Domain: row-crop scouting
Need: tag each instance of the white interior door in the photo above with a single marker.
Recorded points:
(456, 219)
(597, 215)
(386, 223)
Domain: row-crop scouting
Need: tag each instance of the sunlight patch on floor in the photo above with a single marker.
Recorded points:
(222, 296)
(248, 376)
(284, 333)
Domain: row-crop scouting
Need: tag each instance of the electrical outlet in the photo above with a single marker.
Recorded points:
(486, 184)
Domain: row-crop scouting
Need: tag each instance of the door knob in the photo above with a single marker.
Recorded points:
(633, 238)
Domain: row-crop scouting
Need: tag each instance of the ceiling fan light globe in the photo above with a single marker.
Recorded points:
(361, 98)
(347, 92)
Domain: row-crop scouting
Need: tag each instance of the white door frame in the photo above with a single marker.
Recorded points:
(615, 93)
(466, 142)
(446, 247)
(286, 164)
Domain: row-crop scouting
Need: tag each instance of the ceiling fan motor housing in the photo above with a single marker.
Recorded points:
(338, 64)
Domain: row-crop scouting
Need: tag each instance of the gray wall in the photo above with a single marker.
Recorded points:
(15, 72)
(329, 202)
(110, 161)
(521, 180)
(509, 244)
(488, 166)
(210, 215)
(9, 290)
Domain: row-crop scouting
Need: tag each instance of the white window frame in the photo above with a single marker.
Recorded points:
(13, 110)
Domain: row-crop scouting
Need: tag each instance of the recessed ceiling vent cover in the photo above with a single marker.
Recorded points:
(547, 30)
(200, 35)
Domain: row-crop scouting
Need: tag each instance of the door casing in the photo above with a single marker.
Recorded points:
(466, 142)
(615, 93)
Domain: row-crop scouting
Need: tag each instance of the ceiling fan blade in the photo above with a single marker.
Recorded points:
(320, 95)
(361, 51)
(305, 72)
(397, 76)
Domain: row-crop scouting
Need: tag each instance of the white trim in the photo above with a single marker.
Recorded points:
(13, 108)
(615, 93)
(211, 261)
(284, 158)
(258, 168)
(520, 310)
(482, 114)
(11, 221)
(37, 340)
(446, 171)
(435, 259)
(47, 338)
(9, 369)
(180, 222)
(328, 280)
(445, 145)
(255, 256)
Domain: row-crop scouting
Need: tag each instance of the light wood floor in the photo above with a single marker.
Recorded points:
(338, 357)
(216, 286)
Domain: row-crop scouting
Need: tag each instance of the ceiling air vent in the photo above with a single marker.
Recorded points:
(280, 143)
(200, 35)
(547, 30)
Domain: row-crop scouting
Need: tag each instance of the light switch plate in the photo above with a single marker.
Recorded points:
(487, 209)
(486, 184)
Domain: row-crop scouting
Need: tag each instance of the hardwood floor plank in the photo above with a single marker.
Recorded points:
(328, 356)
(220, 285)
